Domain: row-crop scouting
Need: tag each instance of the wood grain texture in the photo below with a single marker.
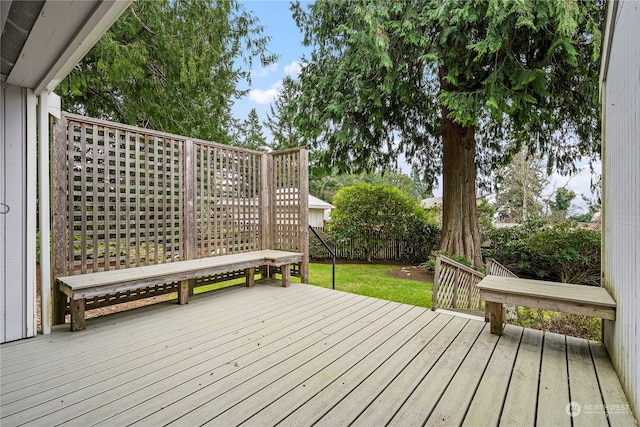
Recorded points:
(522, 394)
(554, 387)
(539, 288)
(301, 356)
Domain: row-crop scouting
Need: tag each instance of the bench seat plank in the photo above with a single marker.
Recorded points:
(540, 288)
(564, 297)
(179, 270)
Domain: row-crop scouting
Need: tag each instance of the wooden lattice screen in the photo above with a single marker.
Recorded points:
(455, 285)
(126, 196)
(227, 200)
(291, 207)
(117, 197)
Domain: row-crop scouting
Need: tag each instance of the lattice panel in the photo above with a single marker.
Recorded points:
(287, 200)
(124, 197)
(446, 286)
(227, 204)
(457, 287)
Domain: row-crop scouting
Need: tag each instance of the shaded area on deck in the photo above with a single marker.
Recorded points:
(300, 356)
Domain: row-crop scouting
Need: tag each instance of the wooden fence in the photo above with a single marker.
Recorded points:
(124, 196)
(454, 285)
(494, 268)
(384, 249)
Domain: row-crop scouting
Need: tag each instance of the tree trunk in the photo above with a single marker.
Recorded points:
(460, 231)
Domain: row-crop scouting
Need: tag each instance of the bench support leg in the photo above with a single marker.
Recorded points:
(495, 313)
(183, 292)
(265, 271)
(77, 315)
(249, 275)
(286, 275)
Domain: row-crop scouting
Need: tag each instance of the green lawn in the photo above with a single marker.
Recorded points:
(372, 280)
(363, 279)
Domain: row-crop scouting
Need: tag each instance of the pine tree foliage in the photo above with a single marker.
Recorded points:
(170, 65)
(249, 133)
(282, 115)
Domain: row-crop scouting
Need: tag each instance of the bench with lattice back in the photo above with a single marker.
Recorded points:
(139, 213)
(80, 287)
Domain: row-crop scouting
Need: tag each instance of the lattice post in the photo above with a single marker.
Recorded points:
(303, 217)
(59, 219)
(185, 289)
(436, 282)
(267, 202)
(189, 201)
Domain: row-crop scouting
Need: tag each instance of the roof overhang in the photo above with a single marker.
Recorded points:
(60, 36)
(611, 13)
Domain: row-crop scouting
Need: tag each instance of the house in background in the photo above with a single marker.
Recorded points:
(620, 98)
(319, 212)
(431, 202)
(41, 42)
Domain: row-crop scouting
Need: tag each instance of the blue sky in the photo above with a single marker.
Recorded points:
(286, 41)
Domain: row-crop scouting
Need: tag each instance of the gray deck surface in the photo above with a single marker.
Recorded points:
(301, 356)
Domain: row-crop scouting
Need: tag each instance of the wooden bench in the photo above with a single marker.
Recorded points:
(568, 298)
(81, 286)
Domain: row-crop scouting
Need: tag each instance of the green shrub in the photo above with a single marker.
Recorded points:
(567, 252)
(366, 214)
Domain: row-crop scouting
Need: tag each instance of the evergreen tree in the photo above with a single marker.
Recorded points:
(249, 134)
(445, 83)
(171, 66)
(282, 115)
(519, 188)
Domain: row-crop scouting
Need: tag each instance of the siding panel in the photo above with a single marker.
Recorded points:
(13, 312)
(621, 195)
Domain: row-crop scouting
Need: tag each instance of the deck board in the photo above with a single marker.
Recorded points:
(492, 390)
(554, 387)
(348, 395)
(301, 356)
(520, 404)
(583, 384)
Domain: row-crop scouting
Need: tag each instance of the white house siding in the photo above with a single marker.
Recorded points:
(316, 217)
(16, 305)
(621, 191)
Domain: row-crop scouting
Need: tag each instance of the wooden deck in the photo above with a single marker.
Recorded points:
(303, 356)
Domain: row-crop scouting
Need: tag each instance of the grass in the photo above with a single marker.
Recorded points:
(363, 279)
(372, 280)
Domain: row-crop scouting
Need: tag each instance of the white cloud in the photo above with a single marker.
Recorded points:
(579, 184)
(261, 72)
(266, 96)
(293, 69)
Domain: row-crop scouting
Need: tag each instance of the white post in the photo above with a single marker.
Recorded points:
(31, 216)
(45, 217)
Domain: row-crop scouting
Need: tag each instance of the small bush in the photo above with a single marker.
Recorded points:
(366, 215)
(566, 252)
